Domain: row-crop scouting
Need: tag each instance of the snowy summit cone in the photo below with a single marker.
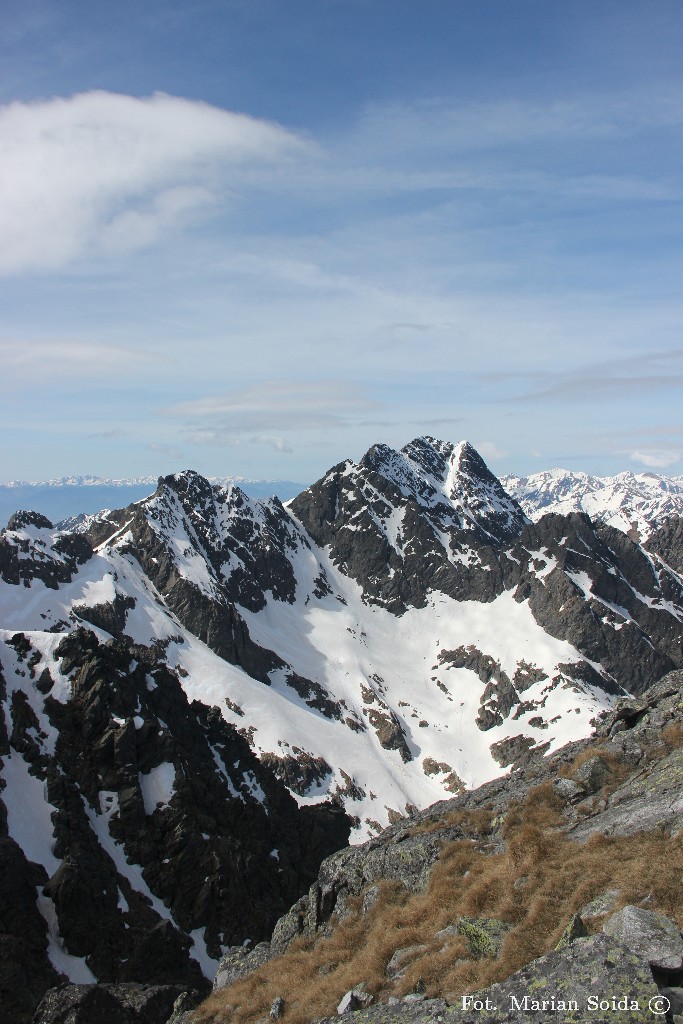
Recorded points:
(404, 523)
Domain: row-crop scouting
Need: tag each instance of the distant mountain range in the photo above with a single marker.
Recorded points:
(67, 496)
(632, 502)
(203, 692)
(626, 501)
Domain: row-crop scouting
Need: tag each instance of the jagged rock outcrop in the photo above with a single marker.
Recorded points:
(570, 985)
(167, 838)
(666, 541)
(113, 1004)
(239, 961)
(407, 859)
(28, 551)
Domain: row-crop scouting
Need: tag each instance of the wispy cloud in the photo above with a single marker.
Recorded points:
(272, 405)
(641, 375)
(658, 458)
(278, 443)
(469, 126)
(167, 451)
(104, 170)
(490, 450)
(27, 359)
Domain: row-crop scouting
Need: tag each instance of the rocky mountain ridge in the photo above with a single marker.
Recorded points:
(143, 829)
(633, 502)
(206, 672)
(69, 499)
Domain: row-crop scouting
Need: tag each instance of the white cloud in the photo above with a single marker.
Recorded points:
(166, 450)
(133, 229)
(272, 405)
(656, 458)
(278, 443)
(466, 126)
(104, 169)
(27, 359)
(268, 414)
(489, 450)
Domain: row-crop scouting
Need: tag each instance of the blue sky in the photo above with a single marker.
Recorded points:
(258, 236)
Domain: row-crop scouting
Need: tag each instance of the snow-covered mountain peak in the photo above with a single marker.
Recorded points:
(25, 517)
(437, 458)
(631, 502)
(451, 479)
(406, 523)
(439, 463)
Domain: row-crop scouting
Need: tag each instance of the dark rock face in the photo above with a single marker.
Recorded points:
(666, 541)
(28, 551)
(594, 587)
(113, 1004)
(165, 824)
(25, 972)
(508, 751)
(499, 696)
(300, 773)
(168, 841)
(25, 517)
(109, 616)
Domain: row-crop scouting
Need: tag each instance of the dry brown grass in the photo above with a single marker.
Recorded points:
(474, 822)
(535, 885)
(611, 759)
(619, 770)
(672, 735)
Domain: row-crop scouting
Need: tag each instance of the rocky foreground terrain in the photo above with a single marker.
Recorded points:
(551, 894)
